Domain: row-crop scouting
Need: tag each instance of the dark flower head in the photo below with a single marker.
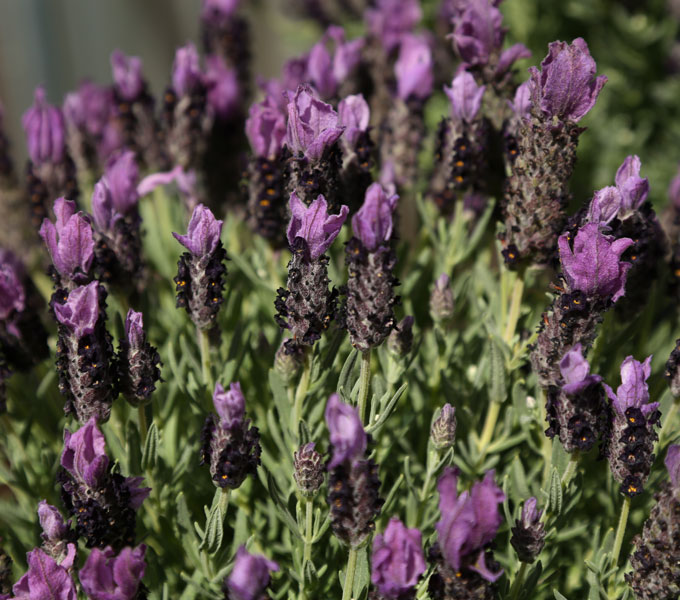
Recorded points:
(218, 10)
(576, 371)
(566, 86)
(250, 576)
(84, 455)
(347, 434)
(45, 132)
(89, 107)
(312, 124)
(354, 115)
(266, 128)
(594, 266)
(107, 576)
(122, 178)
(203, 234)
(186, 71)
(81, 310)
(465, 96)
(391, 19)
(469, 521)
(314, 225)
(414, 68)
(372, 224)
(672, 463)
(45, 579)
(397, 560)
(633, 391)
(223, 94)
(127, 75)
(230, 406)
(12, 294)
(69, 240)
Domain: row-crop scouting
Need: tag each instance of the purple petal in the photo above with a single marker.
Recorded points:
(672, 463)
(44, 580)
(354, 114)
(224, 95)
(633, 188)
(122, 176)
(127, 75)
(250, 576)
(414, 68)
(605, 205)
(266, 128)
(84, 454)
(81, 310)
(465, 96)
(509, 56)
(186, 71)
(230, 406)
(372, 224)
(314, 224)
(203, 234)
(347, 434)
(134, 331)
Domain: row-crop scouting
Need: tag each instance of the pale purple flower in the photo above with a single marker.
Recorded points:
(521, 104)
(605, 205)
(314, 225)
(320, 69)
(347, 55)
(347, 434)
(266, 128)
(478, 31)
(12, 294)
(44, 580)
(52, 523)
(69, 240)
(465, 96)
(184, 180)
(223, 94)
(107, 576)
(575, 371)
(672, 463)
(186, 71)
(203, 234)
(230, 405)
(372, 223)
(45, 131)
(414, 68)
(81, 310)
(250, 576)
(103, 211)
(633, 188)
(469, 521)
(594, 266)
(530, 513)
(90, 107)
(633, 390)
(312, 124)
(566, 86)
(134, 329)
(122, 177)
(326, 70)
(354, 115)
(509, 56)
(84, 455)
(127, 75)
(397, 560)
(391, 19)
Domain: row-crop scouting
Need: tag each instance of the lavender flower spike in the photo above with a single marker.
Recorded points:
(314, 225)
(137, 362)
(414, 68)
(566, 87)
(594, 266)
(107, 576)
(397, 560)
(203, 234)
(372, 224)
(45, 579)
(465, 96)
(347, 434)
(528, 534)
(250, 576)
(45, 131)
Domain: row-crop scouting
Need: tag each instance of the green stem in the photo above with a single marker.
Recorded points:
(517, 583)
(488, 429)
(515, 305)
(224, 502)
(143, 428)
(364, 383)
(205, 359)
(308, 529)
(570, 470)
(301, 392)
(349, 575)
(620, 530)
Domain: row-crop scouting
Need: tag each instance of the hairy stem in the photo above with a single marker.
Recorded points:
(518, 582)
(349, 575)
(301, 393)
(364, 382)
(205, 358)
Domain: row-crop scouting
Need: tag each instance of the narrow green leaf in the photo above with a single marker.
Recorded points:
(497, 389)
(150, 451)
(555, 492)
(345, 381)
(384, 415)
(361, 574)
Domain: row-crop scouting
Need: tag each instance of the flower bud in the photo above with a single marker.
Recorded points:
(287, 363)
(309, 469)
(400, 339)
(443, 430)
(441, 299)
(528, 534)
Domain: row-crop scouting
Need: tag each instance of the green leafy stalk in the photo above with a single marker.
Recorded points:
(364, 383)
(205, 359)
(349, 575)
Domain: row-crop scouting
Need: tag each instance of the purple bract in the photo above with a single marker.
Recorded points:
(45, 131)
(414, 68)
(203, 234)
(347, 434)
(372, 224)
(250, 576)
(107, 576)
(575, 371)
(465, 96)
(230, 405)
(81, 310)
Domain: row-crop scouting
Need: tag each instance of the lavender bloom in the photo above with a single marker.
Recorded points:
(250, 576)
(186, 71)
(81, 310)
(354, 115)
(328, 72)
(656, 574)
(347, 434)
(51, 522)
(44, 579)
(69, 241)
(138, 362)
(575, 371)
(566, 86)
(200, 272)
(223, 92)
(230, 447)
(413, 68)
(122, 177)
(372, 224)
(45, 131)
(308, 470)
(103, 503)
(468, 523)
(397, 560)
(314, 225)
(312, 124)
(521, 104)
(465, 96)
(107, 576)
(528, 534)
(594, 266)
(390, 20)
(266, 128)
(127, 75)
(631, 443)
